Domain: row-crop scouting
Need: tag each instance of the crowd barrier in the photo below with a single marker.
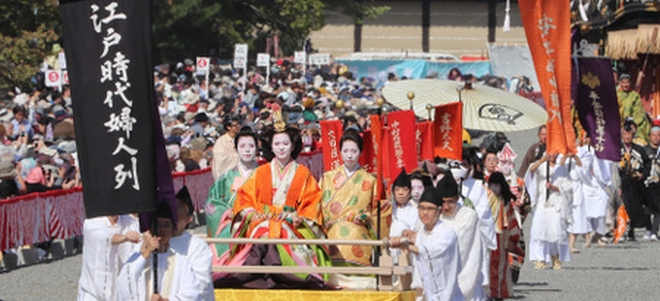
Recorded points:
(59, 214)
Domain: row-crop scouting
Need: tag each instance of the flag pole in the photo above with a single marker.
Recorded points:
(155, 256)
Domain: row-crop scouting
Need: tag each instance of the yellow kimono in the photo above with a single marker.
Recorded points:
(348, 204)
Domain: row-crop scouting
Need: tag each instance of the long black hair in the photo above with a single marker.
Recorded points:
(294, 135)
(498, 178)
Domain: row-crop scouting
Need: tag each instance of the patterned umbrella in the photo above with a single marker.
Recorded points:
(484, 108)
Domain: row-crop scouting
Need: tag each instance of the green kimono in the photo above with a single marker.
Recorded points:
(630, 105)
(219, 206)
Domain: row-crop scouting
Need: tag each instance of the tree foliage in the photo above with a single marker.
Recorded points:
(28, 28)
(357, 10)
(183, 28)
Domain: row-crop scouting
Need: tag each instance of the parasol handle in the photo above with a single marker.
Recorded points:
(547, 179)
(640, 75)
(377, 255)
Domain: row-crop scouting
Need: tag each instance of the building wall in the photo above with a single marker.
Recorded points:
(457, 28)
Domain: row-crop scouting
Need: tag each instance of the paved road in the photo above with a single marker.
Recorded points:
(615, 272)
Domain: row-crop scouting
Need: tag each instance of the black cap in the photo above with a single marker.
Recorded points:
(184, 196)
(164, 211)
(447, 187)
(402, 180)
(432, 195)
(422, 175)
(628, 123)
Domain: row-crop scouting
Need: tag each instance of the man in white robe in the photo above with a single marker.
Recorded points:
(101, 255)
(436, 251)
(195, 249)
(404, 210)
(549, 240)
(465, 223)
(595, 177)
(475, 190)
(176, 280)
(225, 156)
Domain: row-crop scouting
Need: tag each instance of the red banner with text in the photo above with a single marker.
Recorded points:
(402, 145)
(424, 137)
(332, 131)
(448, 131)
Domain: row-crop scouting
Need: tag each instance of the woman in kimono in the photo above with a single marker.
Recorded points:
(348, 202)
(280, 200)
(508, 234)
(222, 194)
(547, 186)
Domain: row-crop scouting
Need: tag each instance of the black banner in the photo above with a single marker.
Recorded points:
(108, 52)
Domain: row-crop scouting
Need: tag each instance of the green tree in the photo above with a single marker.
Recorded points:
(28, 28)
(185, 28)
(358, 11)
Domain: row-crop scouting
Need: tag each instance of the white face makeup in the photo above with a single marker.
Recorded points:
(350, 152)
(506, 167)
(417, 189)
(247, 149)
(282, 147)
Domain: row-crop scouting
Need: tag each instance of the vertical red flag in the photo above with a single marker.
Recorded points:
(376, 159)
(448, 131)
(424, 137)
(332, 131)
(547, 27)
(402, 145)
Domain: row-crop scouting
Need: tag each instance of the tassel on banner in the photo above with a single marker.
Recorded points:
(507, 17)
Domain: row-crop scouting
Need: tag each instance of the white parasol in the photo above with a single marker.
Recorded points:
(484, 108)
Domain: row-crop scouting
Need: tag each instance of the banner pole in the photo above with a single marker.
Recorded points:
(155, 256)
(207, 83)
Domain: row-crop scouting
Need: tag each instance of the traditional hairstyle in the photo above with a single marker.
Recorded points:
(498, 178)
(279, 126)
(245, 131)
(352, 135)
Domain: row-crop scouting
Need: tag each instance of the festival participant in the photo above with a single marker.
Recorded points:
(222, 194)
(491, 161)
(194, 249)
(419, 180)
(436, 251)
(404, 215)
(521, 206)
(630, 106)
(225, 155)
(465, 222)
(534, 152)
(101, 255)
(631, 172)
(280, 200)
(473, 187)
(652, 181)
(546, 185)
(579, 224)
(594, 178)
(175, 279)
(508, 237)
(348, 203)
